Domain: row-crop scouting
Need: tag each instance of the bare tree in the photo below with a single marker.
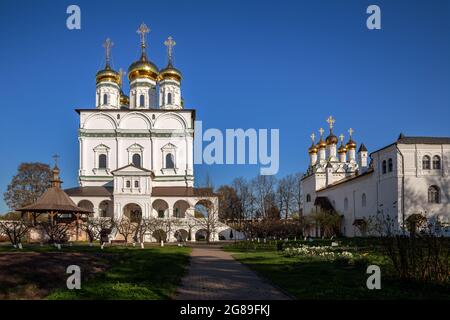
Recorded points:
(286, 193)
(56, 232)
(94, 227)
(265, 198)
(145, 226)
(245, 196)
(125, 227)
(297, 193)
(206, 217)
(15, 230)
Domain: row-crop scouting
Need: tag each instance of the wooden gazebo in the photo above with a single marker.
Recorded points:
(56, 204)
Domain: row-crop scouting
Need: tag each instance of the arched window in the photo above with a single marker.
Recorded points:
(128, 184)
(426, 163)
(170, 164)
(363, 200)
(345, 204)
(437, 162)
(136, 160)
(390, 165)
(136, 183)
(384, 166)
(308, 198)
(169, 98)
(105, 99)
(102, 161)
(434, 194)
(141, 100)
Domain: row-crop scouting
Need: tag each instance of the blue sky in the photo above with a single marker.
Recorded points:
(246, 64)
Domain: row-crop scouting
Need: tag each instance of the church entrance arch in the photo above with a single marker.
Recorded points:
(133, 212)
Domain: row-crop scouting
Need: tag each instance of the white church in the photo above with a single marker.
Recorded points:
(408, 176)
(136, 151)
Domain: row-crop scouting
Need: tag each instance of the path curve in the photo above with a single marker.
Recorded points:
(214, 274)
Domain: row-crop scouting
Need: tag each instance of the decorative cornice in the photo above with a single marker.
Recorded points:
(149, 134)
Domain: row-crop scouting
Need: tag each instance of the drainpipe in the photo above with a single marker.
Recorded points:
(403, 184)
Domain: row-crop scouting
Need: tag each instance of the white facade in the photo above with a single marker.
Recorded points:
(137, 156)
(409, 176)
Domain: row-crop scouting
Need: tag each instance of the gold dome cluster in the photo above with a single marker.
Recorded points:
(143, 68)
(331, 139)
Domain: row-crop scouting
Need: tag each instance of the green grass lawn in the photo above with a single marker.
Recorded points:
(313, 278)
(131, 273)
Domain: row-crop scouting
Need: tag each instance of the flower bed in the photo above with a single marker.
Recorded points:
(325, 252)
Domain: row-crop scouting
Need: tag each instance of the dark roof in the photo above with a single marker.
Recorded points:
(402, 139)
(423, 140)
(54, 199)
(99, 191)
(362, 147)
(347, 179)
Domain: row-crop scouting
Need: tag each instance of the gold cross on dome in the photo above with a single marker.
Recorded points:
(108, 45)
(331, 121)
(169, 43)
(341, 137)
(56, 157)
(313, 137)
(350, 132)
(321, 132)
(143, 29)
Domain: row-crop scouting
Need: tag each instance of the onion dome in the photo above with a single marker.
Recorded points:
(312, 149)
(321, 144)
(331, 139)
(107, 74)
(342, 149)
(143, 68)
(351, 145)
(124, 99)
(170, 73)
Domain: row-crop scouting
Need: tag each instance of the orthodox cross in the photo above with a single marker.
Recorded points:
(350, 132)
(342, 138)
(313, 137)
(321, 132)
(331, 121)
(56, 157)
(143, 29)
(108, 45)
(170, 43)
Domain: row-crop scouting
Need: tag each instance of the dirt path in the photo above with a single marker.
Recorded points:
(214, 275)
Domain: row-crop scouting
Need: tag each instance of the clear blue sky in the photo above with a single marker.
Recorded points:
(246, 64)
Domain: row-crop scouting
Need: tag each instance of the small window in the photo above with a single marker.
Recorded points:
(436, 162)
(384, 166)
(102, 161)
(105, 99)
(118, 116)
(141, 100)
(308, 198)
(136, 160)
(390, 165)
(345, 204)
(128, 184)
(170, 163)
(169, 98)
(434, 195)
(363, 200)
(136, 184)
(160, 213)
(426, 163)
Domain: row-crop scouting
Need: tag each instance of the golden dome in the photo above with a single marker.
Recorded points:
(124, 99)
(342, 149)
(107, 75)
(312, 149)
(331, 139)
(321, 144)
(170, 73)
(351, 145)
(143, 68)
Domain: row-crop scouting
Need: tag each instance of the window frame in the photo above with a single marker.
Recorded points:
(426, 162)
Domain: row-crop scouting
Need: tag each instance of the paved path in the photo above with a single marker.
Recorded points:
(214, 275)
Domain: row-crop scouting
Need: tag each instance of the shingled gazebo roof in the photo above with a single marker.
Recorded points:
(54, 200)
